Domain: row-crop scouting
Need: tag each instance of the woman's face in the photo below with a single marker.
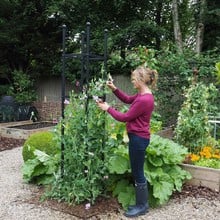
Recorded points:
(135, 81)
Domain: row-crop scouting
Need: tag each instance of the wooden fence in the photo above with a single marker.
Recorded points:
(48, 103)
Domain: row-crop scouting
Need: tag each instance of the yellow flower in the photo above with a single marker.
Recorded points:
(194, 157)
(206, 152)
(216, 156)
(210, 152)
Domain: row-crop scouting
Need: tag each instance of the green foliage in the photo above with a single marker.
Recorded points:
(161, 168)
(175, 70)
(22, 88)
(193, 128)
(136, 56)
(211, 163)
(32, 44)
(212, 26)
(44, 141)
(86, 151)
(41, 169)
(155, 123)
(217, 67)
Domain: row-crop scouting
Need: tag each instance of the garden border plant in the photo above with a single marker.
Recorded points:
(92, 155)
(93, 141)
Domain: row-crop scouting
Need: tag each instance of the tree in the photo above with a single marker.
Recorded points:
(212, 26)
(200, 26)
(29, 38)
(176, 26)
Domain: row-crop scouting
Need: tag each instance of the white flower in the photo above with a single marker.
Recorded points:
(87, 206)
(110, 78)
(91, 154)
(95, 97)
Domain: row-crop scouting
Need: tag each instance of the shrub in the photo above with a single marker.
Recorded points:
(41, 155)
(43, 141)
(22, 88)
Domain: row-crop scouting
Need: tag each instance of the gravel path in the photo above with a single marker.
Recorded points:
(14, 193)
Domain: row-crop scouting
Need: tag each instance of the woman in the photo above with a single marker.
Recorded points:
(137, 120)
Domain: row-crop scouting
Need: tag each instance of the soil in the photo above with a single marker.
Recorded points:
(102, 205)
(105, 206)
(10, 143)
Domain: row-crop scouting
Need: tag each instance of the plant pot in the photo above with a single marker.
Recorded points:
(203, 176)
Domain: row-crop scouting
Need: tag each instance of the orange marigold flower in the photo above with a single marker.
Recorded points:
(206, 152)
(216, 156)
(194, 157)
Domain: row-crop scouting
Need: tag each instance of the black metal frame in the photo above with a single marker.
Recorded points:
(85, 57)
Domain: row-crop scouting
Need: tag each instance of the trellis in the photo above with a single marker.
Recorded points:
(85, 57)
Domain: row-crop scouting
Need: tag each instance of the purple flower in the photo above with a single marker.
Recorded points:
(66, 102)
(77, 83)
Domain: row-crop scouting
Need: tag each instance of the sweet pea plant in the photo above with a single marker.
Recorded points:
(86, 150)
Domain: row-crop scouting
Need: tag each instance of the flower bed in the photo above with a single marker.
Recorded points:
(203, 176)
(19, 130)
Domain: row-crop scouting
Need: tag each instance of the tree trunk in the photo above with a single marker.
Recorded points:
(176, 26)
(200, 27)
(159, 8)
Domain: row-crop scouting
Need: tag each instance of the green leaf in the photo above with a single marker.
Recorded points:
(120, 186)
(28, 168)
(118, 164)
(156, 161)
(41, 156)
(126, 197)
(162, 190)
(45, 179)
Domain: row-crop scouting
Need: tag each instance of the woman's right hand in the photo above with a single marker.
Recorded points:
(111, 85)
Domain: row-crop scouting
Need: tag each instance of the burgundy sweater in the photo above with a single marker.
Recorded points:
(138, 116)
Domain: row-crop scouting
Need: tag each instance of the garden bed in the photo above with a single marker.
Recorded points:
(23, 129)
(203, 176)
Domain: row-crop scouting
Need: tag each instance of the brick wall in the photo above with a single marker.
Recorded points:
(49, 110)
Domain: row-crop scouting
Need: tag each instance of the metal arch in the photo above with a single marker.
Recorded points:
(85, 57)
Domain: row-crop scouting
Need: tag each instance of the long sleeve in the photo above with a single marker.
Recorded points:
(124, 97)
(136, 109)
(138, 116)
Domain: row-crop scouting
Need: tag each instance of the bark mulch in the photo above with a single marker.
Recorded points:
(10, 143)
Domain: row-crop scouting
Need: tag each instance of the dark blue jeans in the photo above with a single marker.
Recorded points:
(137, 150)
